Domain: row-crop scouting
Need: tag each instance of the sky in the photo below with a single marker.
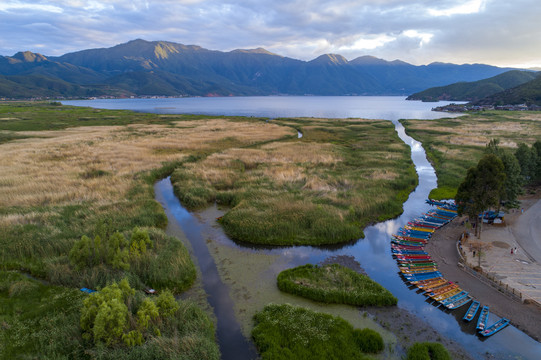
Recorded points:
(495, 32)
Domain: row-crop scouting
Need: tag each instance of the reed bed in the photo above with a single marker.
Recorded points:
(334, 284)
(321, 189)
(290, 332)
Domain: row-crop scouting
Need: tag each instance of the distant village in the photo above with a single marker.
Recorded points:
(459, 108)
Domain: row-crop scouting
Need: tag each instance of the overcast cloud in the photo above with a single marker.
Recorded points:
(497, 32)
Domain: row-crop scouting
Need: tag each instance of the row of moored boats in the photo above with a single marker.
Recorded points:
(418, 268)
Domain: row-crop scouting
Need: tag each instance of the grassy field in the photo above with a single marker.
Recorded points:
(290, 332)
(63, 170)
(455, 145)
(320, 189)
(334, 284)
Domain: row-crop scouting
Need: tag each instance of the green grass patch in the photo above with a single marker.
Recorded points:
(334, 284)
(428, 351)
(289, 332)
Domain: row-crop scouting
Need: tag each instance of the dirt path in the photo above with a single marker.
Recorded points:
(442, 248)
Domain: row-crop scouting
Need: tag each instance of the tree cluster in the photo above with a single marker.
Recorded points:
(110, 248)
(498, 178)
(114, 315)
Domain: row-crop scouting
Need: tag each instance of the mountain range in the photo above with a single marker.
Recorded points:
(141, 68)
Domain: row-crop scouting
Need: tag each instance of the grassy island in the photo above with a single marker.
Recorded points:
(334, 284)
(320, 189)
(290, 332)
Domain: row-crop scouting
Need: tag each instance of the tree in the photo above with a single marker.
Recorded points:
(527, 158)
(81, 252)
(147, 312)
(537, 146)
(512, 186)
(167, 304)
(110, 322)
(139, 241)
(104, 315)
(481, 188)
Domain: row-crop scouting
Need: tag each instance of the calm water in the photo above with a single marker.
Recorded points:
(370, 107)
(373, 252)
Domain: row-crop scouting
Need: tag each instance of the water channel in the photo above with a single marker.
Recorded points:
(232, 271)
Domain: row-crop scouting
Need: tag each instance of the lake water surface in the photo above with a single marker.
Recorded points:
(372, 252)
(370, 107)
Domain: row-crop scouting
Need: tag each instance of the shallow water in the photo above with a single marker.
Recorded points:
(372, 252)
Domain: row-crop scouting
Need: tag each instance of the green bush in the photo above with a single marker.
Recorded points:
(334, 284)
(368, 340)
(290, 332)
(428, 351)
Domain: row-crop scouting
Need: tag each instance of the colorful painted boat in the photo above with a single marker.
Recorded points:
(429, 283)
(458, 303)
(472, 311)
(483, 318)
(440, 289)
(454, 298)
(494, 328)
(443, 297)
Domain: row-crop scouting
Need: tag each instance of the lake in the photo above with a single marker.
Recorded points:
(370, 107)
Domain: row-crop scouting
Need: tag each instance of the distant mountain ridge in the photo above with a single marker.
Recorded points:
(141, 67)
(475, 90)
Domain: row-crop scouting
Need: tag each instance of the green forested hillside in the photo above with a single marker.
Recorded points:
(528, 93)
(476, 90)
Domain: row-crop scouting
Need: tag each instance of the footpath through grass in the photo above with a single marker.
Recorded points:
(455, 145)
(334, 284)
(321, 189)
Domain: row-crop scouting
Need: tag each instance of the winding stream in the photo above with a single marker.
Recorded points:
(231, 271)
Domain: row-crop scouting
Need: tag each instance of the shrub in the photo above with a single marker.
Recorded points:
(368, 340)
(428, 351)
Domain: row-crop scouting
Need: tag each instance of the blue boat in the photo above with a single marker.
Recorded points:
(454, 298)
(458, 303)
(87, 290)
(483, 319)
(494, 328)
(472, 311)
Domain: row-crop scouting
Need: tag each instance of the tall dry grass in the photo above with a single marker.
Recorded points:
(98, 163)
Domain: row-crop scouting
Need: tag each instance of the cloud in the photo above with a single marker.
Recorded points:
(419, 31)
